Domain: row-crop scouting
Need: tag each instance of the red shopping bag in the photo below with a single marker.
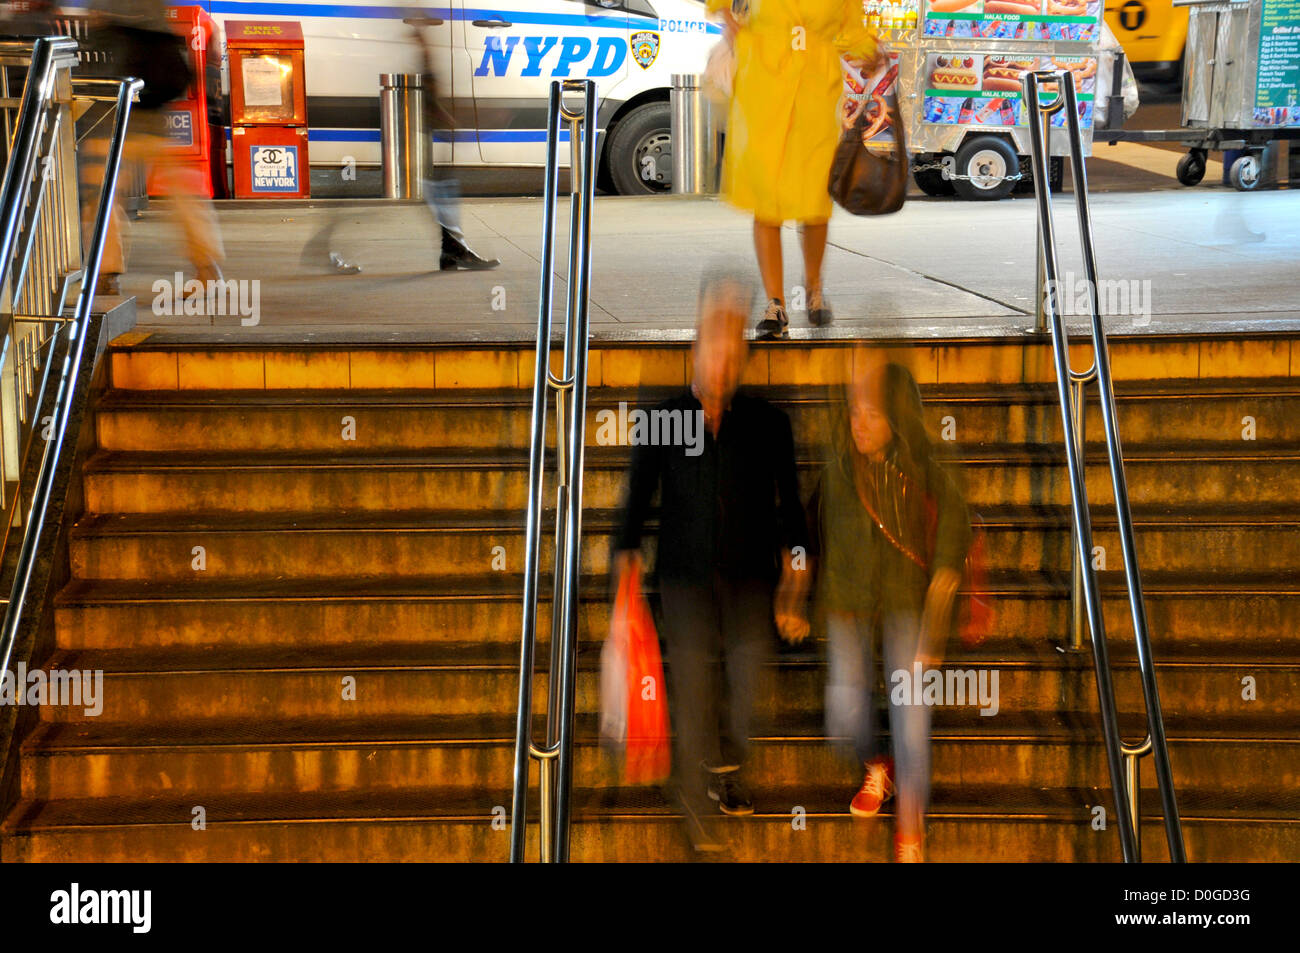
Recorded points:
(648, 756)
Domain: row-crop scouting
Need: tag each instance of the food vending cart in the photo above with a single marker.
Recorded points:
(955, 79)
(1241, 90)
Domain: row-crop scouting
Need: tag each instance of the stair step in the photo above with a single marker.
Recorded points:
(392, 421)
(157, 547)
(1235, 474)
(202, 760)
(1186, 612)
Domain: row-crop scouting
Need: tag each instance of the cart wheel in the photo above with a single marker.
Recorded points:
(932, 183)
(1191, 168)
(1244, 174)
(988, 161)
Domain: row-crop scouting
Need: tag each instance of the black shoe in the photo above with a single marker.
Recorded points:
(456, 254)
(729, 791)
(774, 323)
(819, 312)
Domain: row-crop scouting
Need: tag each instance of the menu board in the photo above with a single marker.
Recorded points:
(1277, 90)
(1071, 20)
(980, 89)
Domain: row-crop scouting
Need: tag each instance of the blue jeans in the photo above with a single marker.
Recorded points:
(442, 195)
(850, 712)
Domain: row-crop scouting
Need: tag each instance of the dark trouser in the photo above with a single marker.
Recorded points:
(718, 636)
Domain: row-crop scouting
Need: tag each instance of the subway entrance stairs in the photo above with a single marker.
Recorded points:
(299, 568)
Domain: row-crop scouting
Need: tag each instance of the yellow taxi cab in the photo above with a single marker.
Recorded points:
(1153, 34)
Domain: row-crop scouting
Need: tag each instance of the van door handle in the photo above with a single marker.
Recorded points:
(496, 24)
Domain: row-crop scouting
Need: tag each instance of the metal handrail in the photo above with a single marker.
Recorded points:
(1070, 384)
(14, 200)
(555, 755)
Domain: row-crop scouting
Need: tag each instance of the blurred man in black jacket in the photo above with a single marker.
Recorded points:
(729, 518)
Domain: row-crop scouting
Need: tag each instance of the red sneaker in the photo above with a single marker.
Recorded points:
(876, 788)
(909, 850)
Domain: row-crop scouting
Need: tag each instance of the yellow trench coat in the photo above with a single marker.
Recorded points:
(783, 125)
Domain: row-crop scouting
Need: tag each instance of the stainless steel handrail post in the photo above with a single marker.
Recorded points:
(71, 369)
(555, 773)
(1079, 410)
(1123, 781)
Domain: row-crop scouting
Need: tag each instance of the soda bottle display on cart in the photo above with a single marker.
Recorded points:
(954, 77)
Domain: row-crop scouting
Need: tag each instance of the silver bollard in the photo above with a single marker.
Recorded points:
(402, 134)
(696, 133)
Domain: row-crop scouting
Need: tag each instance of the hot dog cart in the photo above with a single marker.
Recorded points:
(955, 80)
(1241, 88)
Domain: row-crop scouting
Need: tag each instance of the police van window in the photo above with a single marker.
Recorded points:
(630, 6)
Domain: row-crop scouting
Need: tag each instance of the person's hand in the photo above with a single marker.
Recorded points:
(935, 618)
(793, 627)
(791, 594)
(730, 25)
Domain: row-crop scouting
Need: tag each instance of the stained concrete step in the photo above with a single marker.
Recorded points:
(969, 826)
(1233, 474)
(155, 688)
(1186, 412)
(1187, 613)
(1259, 765)
(162, 547)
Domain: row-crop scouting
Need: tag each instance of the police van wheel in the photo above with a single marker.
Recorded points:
(641, 151)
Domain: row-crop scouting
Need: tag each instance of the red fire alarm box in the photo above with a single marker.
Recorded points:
(268, 109)
(194, 122)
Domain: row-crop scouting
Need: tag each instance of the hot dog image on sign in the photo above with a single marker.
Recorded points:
(645, 47)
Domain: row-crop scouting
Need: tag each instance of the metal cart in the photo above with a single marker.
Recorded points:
(955, 81)
(1241, 89)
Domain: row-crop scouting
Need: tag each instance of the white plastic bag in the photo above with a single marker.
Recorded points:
(719, 79)
(613, 686)
(1105, 70)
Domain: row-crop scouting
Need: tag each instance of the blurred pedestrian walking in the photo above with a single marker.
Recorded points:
(893, 534)
(729, 518)
(442, 190)
(140, 43)
(783, 128)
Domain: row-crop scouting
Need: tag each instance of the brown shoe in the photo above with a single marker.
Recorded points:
(109, 284)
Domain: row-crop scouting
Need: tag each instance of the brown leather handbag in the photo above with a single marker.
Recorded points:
(867, 181)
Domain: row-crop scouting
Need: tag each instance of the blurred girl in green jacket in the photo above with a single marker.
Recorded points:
(894, 534)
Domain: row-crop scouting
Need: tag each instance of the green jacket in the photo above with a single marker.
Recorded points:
(860, 571)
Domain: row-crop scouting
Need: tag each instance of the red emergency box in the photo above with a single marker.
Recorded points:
(268, 109)
(194, 122)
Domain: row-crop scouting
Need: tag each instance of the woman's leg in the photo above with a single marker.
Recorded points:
(767, 244)
(812, 236)
(909, 726)
(849, 681)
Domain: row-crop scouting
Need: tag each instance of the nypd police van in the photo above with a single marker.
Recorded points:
(495, 63)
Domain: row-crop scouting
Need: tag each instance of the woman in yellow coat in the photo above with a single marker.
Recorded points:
(783, 128)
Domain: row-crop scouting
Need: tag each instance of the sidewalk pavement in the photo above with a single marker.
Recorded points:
(1206, 260)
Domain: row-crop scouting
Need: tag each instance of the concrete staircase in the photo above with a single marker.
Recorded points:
(299, 572)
